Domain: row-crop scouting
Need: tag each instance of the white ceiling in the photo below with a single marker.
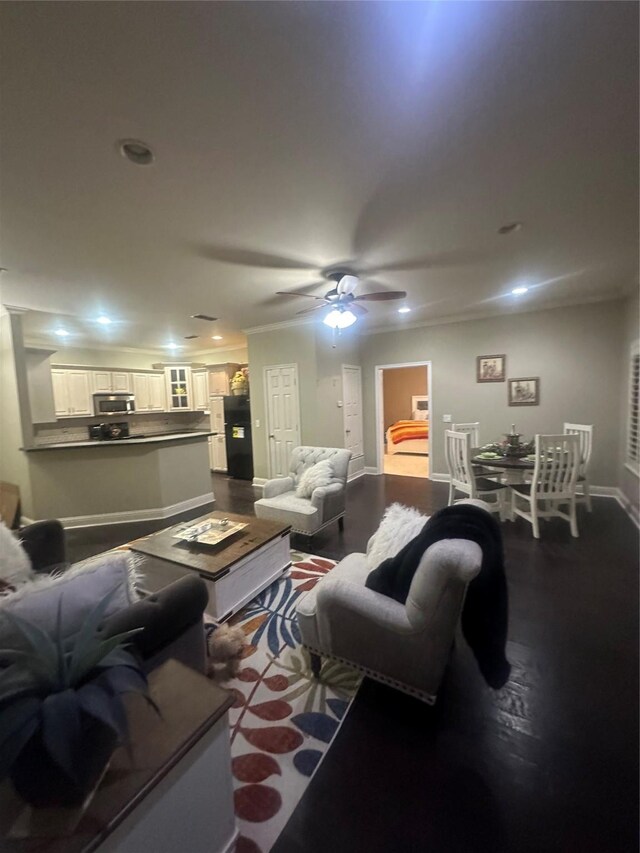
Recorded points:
(312, 133)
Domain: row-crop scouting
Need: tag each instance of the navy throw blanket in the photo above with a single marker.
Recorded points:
(485, 613)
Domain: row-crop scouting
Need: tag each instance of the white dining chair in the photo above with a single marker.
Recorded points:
(461, 477)
(585, 434)
(553, 483)
(473, 429)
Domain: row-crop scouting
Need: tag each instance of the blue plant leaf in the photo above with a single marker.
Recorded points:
(99, 703)
(338, 706)
(61, 729)
(273, 635)
(124, 679)
(318, 725)
(286, 634)
(295, 630)
(13, 745)
(306, 760)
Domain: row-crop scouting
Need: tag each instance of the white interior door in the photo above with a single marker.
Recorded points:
(352, 408)
(283, 416)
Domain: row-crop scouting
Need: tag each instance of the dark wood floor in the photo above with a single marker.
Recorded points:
(549, 763)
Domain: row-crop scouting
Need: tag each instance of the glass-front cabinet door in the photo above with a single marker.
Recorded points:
(178, 388)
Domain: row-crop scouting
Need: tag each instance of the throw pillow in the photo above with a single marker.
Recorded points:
(400, 524)
(15, 565)
(320, 474)
(80, 588)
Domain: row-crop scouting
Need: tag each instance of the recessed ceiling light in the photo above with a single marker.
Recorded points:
(62, 333)
(510, 228)
(216, 337)
(518, 291)
(171, 345)
(103, 320)
(136, 151)
(404, 310)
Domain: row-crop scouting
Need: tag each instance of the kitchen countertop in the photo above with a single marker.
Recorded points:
(147, 439)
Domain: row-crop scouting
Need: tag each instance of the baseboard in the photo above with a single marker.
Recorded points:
(370, 469)
(128, 516)
(258, 484)
(631, 510)
(439, 478)
(356, 475)
(24, 520)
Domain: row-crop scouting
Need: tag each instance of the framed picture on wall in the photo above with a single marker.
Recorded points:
(524, 391)
(491, 368)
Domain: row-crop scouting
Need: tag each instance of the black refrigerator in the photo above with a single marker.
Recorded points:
(237, 430)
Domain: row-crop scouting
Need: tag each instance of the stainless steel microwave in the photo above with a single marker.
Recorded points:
(116, 403)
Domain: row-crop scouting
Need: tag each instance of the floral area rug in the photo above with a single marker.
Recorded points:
(283, 720)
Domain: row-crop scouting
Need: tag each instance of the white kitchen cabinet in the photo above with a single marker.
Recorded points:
(157, 393)
(179, 391)
(220, 376)
(211, 452)
(149, 392)
(216, 407)
(108, 381)
(219, 452)
(72, 393)
(200, 390)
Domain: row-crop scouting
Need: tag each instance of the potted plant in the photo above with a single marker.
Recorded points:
(61, 708)
(240, 382)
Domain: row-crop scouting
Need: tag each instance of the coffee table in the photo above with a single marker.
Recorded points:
(235, 570)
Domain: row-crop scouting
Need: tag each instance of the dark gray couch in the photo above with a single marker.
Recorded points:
(171, 618)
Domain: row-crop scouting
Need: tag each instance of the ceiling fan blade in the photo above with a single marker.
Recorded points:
(347, 284)
(381, 296)
(359, 309)
(309, 310)
(297, 293)
(250, 258)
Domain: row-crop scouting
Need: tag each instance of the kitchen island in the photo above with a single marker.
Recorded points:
(135, 479)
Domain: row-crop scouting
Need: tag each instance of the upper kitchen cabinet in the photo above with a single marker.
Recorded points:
(200, 390)
(72, 393)
(107, 381)
(220, 378)
(179, 390)
(149, 392)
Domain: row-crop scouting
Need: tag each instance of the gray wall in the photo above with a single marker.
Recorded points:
(575, 351)
(629, 482)
(309, 346)
(13, 463)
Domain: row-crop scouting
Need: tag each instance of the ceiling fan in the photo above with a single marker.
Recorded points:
(344, 304)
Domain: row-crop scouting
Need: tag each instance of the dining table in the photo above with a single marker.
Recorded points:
(513, 467)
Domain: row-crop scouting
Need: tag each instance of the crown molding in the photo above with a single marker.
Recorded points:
(272, 327)
(492, 315)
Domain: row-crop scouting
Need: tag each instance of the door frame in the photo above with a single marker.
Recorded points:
(267, 367)
(344, 409)
(379, 368)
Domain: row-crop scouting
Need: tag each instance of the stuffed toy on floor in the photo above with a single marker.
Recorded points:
(224, 650)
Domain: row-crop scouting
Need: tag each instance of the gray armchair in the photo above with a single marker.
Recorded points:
(307, 515)
(404, 645)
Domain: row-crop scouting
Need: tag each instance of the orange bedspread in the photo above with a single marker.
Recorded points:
(407, 430)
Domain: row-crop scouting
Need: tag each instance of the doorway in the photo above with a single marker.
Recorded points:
(403, 403)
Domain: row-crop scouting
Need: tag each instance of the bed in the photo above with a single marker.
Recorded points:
(408, 437)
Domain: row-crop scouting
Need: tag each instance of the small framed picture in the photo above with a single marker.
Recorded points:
(491, 368)
(524, 391)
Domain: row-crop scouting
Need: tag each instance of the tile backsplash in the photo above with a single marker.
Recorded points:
(76, 429)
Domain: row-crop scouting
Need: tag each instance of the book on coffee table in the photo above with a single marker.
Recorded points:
(209, 532)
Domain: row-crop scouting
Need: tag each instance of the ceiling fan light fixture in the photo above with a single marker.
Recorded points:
(340, 318)
(404, 310)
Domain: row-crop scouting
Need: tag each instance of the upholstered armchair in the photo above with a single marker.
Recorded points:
(404, 645)
(326, 504)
